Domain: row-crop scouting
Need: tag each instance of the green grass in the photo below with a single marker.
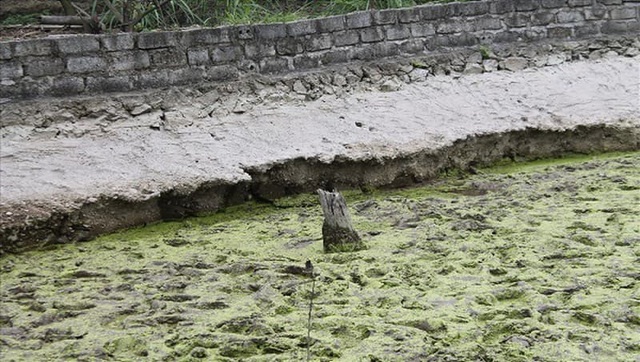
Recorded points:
(20, 19)
(184, 13)
(251, 11)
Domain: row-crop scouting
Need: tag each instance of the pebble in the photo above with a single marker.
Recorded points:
(141, 109)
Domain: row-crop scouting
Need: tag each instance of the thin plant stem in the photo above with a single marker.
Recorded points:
(309, 268)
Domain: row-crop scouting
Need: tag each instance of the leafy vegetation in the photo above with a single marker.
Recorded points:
(166, 14)
(19, 19)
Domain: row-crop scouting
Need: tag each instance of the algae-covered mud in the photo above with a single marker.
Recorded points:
(516, 263)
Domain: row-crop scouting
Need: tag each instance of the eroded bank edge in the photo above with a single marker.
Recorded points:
(41, 224)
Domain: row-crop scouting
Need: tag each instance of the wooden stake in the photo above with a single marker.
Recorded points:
(338, 234)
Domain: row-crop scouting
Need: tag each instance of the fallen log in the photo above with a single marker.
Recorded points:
(338, 234)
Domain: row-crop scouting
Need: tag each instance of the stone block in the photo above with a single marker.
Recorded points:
(319, 42)
(474, 8)
(543, 18)
(398, 32)
(587, 30)
(359, 20)
(577, 3)
(461, 40)
(198, 56)
(5, 51)
(270, 31)
(290, 46)
(259, 50)
(225, 54)
(335, 57)
(248, 66)
(330, 24)
(32, 47)
(485, 38)
(362, 52)
(534, 34)
(490, 65)
(560, 32)
(170, 57)
(615, 27)
(86, 64)
(454, 26)
(553, 4)
(409, 15)
(569, 17)
(155, 40)
(517, 20)
(205, 36)
(108, 84)
(10, 70)
(300, 28)
(273, 65)
(413, 46)
(386, 49)
(193, 75)
(502, 6)
(623, 13)
(435, 12)
(610, 2)
(372, 35)
(129, 60)
(527, 5)
(385, 17)
(507, 37)
(347, 37)
(515, 63)
(9, 90)
(78, 44)
(222, 73)
(307, 61)
(24, 88)
(152, 79)
(43, 66)
(473, 68)
(633, 26)
(243, 32)
(595, 12)
(487, 22)
(420, 30)
(66, 85)
(117, 42)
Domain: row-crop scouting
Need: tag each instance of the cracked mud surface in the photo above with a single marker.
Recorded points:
(527, 261)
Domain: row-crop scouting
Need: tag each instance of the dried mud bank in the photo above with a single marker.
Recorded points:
(517, 263)
(224, 98)
(83, 174)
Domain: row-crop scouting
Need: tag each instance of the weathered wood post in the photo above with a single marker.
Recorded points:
(338, 234)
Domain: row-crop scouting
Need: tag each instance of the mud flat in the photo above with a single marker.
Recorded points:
(516, 263)
(66, 178)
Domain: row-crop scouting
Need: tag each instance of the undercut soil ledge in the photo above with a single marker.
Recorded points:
(37, 226)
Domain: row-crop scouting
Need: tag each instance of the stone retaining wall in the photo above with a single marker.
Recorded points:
(89, 64)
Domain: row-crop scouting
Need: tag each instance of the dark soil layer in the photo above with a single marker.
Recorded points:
(524, 262)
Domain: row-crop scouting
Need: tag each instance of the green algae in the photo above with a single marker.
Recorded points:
(516, 263)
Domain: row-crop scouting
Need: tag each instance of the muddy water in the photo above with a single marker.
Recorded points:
(532, 261)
